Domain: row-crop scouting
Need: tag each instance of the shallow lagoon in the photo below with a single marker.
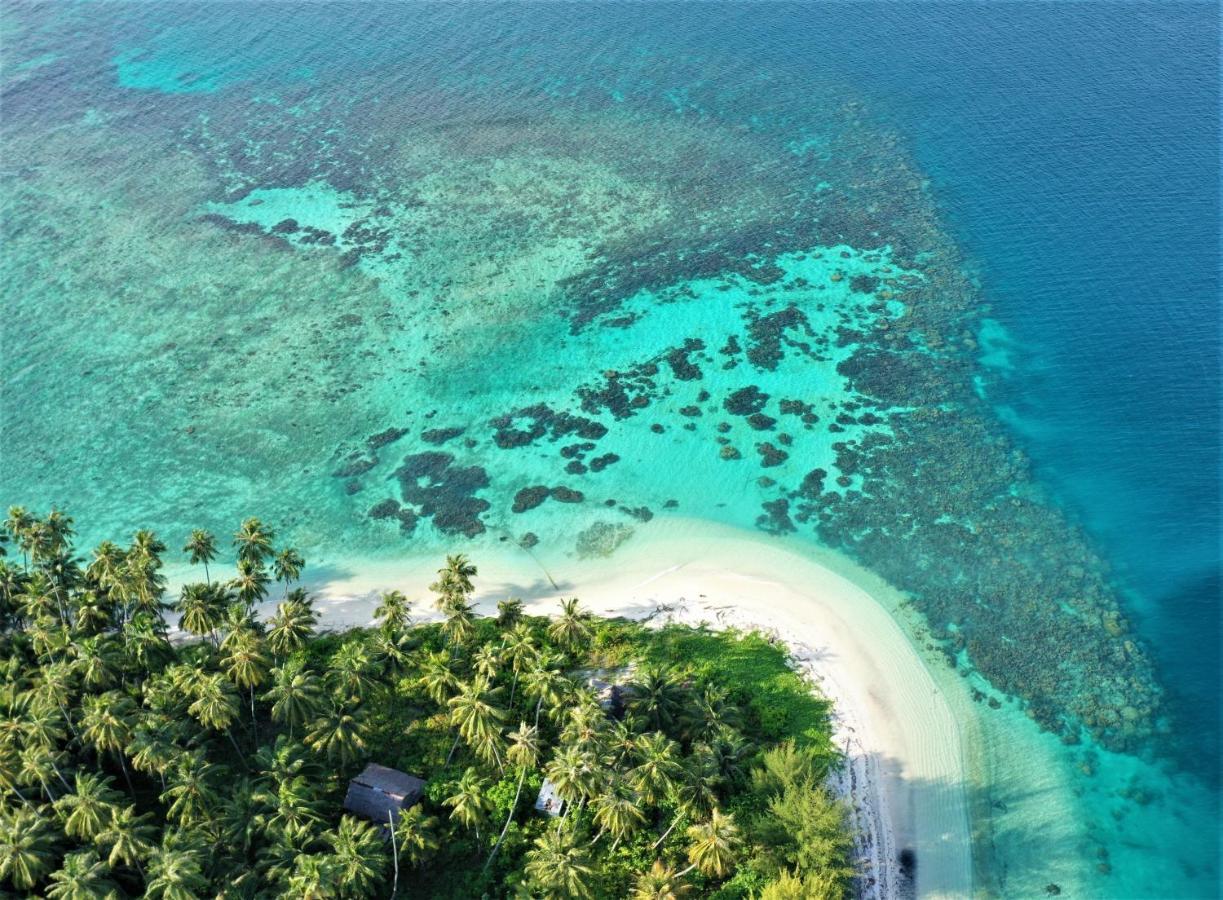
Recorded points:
(303, 263)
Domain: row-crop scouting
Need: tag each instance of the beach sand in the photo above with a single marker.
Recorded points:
(905, 771)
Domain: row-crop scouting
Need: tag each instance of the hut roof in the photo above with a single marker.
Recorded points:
(549, 802)
(379, 791)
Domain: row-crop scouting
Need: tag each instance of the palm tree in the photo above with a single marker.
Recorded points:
(127, 837)
(216, 704)
(339, 734)
(478, 720)
(414, 838)
(487, 662)
(251, 582)
(106, 725)
(617, 810)
(287, 566)
(557, 868)
(202, 609)
(658, 767)
(26, 843)
(292, 624)
(524, 752)
(191, 795)
(83, 877)
(247, 667)
(18, 524)
(573, 773)
(470, 802)
(509, 613)
(349, 671)
(88, 809)
(394, 612)
(657, 698)
(713, 845)
(437, 676)
(545, 682)
(296, 696)
(150, 753)
(254, 541)
(454, 580)
(315, 877)
(660, 883)
(201, 547)
(360, 856)
(570, 629)
(460, 623)
(174, 874)
(520, 650)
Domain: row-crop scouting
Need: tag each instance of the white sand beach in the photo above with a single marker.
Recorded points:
(905, 773)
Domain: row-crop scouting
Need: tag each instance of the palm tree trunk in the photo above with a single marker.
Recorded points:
(513, 688)
(126, 777)
(597, 836)
(60, 776)
(254, 727)
(667, 833)
(453, 747)
(207, 577)
(513, 806)
(686, 871)
(395, 852)
(241, 758)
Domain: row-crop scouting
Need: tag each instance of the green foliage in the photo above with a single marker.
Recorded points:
(134, 767)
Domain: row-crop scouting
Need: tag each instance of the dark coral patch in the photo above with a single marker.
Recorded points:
(440, 435)
(770, 455)
(776, 517)
(382, 438)
(445, 492)
(745, 401)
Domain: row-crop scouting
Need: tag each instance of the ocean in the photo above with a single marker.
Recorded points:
(934, 285)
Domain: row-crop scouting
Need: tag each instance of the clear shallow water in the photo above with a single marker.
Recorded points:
(240, 248)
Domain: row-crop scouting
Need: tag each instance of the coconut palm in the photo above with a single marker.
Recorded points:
(713, 846)
(350, 671)
(247, 666)
(557, 868)
(338, 734)
(545, 682)
(416, 835)
(253, 541)
(570, 629)
(660, 883)
(393, 612)
(657, 698)
(106, 724)
(18, 524)
(251, 582)
(509, 613)
(478, 720)
(127, 838)
(201, 609)
(201, 547)
(82, 877)
(296, 696)
(523, 752)
(487, 662)
(573, 773)
(150, 753)
(437, 676)
(192, 794)
(97, 660)
(287, 566)
(175, 874)
(292, 624)
(454, 580)
(693, 793)
(26, 847)
(520, 651)
(460, 623)
(87, 810)
(216, 704)
(658, 767)
(617, 810)
(360, 856)
(470, 803)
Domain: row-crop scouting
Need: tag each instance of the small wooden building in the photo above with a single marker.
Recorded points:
(379, 793)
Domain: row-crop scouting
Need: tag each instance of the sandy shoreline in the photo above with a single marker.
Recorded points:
(905, 773)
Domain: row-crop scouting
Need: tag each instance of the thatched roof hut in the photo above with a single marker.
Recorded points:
(379, 793)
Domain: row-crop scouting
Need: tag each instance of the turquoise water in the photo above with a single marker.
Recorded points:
(400, 278)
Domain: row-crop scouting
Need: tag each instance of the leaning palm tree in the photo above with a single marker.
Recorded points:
(524, 753)
(470, 803)
(26, 847)
(570, 629)
(454, 580)
(201, 547)
(89, 808)
(254, 541)
(296, 696)
(83, 877)
(713, 846)
(557, 868)
(360, 856)
(660, 883)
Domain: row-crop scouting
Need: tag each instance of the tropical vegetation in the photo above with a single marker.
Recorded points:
(200, 745)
